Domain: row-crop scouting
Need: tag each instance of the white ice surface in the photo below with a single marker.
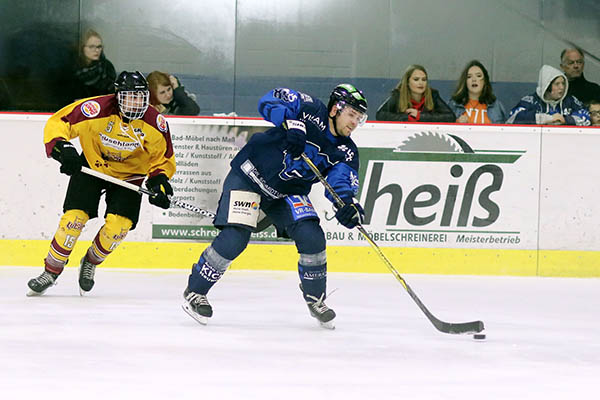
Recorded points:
(130, 339)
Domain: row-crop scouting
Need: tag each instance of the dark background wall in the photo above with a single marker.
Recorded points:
(38, 43)
(230, 52)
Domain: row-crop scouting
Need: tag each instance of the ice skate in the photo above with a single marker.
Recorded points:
(86, 276)
(37, 286)
(319, 310)
(197, 306)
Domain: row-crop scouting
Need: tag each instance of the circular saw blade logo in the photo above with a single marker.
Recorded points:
(433, 142)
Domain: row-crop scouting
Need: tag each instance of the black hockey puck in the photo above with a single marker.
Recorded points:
(479, 336)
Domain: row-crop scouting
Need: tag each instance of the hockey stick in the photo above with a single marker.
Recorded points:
(445, 327)
(139, 189)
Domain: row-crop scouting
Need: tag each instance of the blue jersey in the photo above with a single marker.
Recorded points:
(265, 162)
(532, 110)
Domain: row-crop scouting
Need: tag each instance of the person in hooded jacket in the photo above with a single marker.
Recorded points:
(550, 104)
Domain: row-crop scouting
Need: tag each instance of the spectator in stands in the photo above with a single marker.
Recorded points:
(572, 62)
(168, 96)
(550, 104)
(95, 75)
(414, 100)
(473, 101)
(594, 110)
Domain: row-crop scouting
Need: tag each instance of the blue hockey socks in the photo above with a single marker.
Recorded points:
(207, 271)
(312, 269)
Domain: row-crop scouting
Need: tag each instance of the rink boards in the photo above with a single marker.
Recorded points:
(439, 198)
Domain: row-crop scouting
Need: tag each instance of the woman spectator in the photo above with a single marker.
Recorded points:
(169, 97)
(473, 101)
(414, 100)
(95, 75)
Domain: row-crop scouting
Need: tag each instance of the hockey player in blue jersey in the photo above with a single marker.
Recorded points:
(268, 174)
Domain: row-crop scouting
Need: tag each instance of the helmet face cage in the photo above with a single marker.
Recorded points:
(359, 115)
(133, 95)
(133, 104)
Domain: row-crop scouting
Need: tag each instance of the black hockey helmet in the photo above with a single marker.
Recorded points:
(131, 81)
(133, 95)
(347, 94)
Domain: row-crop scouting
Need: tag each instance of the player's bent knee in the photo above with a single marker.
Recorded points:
(231, 241)
(117, 226)
(309, 237)
(109, 237)
(74, 220)
(70, 226)
(112, 233)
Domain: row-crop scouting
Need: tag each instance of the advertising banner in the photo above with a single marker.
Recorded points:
(421, 185)
(445, 186)
(203, 153)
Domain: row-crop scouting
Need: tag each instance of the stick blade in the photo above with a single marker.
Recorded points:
(459, 328)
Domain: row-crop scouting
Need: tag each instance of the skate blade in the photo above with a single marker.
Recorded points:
(327, 325)
(82, 292)
(33, 293)
(199, 318)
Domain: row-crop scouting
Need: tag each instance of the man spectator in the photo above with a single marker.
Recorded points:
(572, 62)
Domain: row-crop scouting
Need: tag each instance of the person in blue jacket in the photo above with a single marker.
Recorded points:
(269, 174)
(550, 104)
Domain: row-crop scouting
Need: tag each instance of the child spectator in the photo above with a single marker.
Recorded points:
(414, 100)
(473, 101)
(594, 109)
(95, 75)
(168, 96)
(550, 104)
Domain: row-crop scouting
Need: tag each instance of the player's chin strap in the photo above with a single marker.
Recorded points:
(445, 327)
(139, 189)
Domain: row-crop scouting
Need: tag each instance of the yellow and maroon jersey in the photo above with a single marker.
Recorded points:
(127, 151)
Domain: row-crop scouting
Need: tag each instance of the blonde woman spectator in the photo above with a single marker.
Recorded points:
(414, 100)
(94, 74)
(168, 96)
(473, 101)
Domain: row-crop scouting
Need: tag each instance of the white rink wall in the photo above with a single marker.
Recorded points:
(549, 195)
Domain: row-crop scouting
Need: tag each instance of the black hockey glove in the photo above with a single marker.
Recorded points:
(65, 153)
(350, 215)
(295, 138)
(162, 189)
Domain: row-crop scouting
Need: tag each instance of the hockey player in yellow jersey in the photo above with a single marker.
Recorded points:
(122, 137)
